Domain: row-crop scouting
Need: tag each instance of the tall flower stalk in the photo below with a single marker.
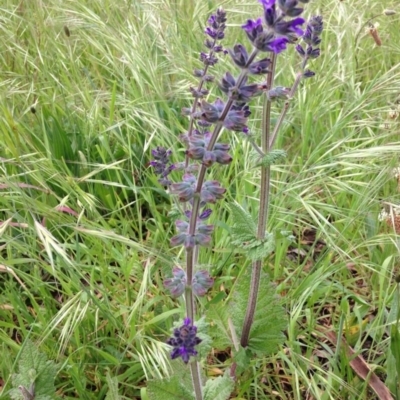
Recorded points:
(279, 27)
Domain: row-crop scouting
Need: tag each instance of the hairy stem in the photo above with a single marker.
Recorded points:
(196, 379)
(263, 214)
(191, 255)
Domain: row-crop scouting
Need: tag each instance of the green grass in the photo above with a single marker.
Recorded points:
(85, 234)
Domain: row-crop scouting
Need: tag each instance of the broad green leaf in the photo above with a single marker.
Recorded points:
(266, 334)
(219, 388)
(244, 236)
(219, 327)
(177, 387)
(242, 359)
(36, 374)
(244, 228)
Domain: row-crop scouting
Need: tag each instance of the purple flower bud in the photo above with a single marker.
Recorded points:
(198, 94)
(176, 285)
(315, 53)
(227, 82)
(300, 50)
(208, 59)
(212, 191)
(239, 55)
(289, 8)
(209, 112)
(205, 214)
(235, 120)
(209, 43)
(198, 73)
(205, 229)
(209, 158)
(208, 78)
(201, 283)
(308, 74)
(182, 226)
(184, 190)
(211, 32)
(278, 92)
(184, 341)
(259, 67)
(202, 240)
(190, 242)
(222, 157)
(178, 240)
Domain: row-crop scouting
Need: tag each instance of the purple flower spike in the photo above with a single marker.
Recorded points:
(162, 165)
(184, 341)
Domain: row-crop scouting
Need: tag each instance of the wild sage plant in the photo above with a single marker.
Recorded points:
(269, 35)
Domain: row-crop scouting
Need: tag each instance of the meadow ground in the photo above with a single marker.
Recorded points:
(88, 88)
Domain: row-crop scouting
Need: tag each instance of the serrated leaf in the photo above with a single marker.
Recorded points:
(242, 359)
(219, 388)
(271, 158)
(205, 345)
(260, 249)
(112, 393)
(244, 228)
(243, 233)
(219, 328)
(177, 387)
(168, 389)
(34, 371)
(266, 333)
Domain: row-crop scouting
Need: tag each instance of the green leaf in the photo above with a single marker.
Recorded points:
(219, 327)
(219, 388)
(242, 359)
(244, 228)
(112, 393)
(271, 158)
(206, 342)
(244, 236)
(168, 389)
(266, 333)
(177, 387)
(36, 374)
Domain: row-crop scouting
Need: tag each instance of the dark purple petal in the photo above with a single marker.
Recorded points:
(251, 25)
(184, 341)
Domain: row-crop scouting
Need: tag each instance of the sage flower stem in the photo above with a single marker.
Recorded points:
(196, 379)
(263, 213)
